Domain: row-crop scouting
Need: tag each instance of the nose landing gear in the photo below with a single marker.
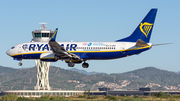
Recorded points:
(20, 63)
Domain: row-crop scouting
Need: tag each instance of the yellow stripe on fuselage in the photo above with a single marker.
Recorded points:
(47, 58)
(110, 50)
(29, 53)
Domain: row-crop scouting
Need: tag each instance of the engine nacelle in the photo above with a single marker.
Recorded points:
(49, 57)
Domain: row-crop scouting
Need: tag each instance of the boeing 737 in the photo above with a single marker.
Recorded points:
(78, 52)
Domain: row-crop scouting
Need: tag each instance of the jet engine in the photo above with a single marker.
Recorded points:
(49, 57)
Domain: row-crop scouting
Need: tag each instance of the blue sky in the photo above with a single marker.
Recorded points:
(94, 20)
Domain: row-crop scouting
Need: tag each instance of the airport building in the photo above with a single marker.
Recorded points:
(68, 93)
(39, 93)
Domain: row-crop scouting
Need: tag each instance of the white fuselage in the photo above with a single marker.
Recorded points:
(94, 50)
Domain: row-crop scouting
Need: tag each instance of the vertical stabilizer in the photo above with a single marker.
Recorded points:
(143, 30)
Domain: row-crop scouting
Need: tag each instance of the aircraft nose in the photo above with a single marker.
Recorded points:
(8, 52)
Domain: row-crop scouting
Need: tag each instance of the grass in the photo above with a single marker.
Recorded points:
(157, 97)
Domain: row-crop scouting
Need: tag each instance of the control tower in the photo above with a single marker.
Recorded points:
(42, 35)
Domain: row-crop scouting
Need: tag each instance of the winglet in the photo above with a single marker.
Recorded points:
(53, 38)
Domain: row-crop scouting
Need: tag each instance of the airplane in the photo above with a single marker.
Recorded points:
(77, 52)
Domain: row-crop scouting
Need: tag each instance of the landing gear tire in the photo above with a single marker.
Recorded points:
(85, 65)
(20, 64)
(71, 64)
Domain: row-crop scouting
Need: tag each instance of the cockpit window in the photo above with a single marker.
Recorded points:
(12, 47)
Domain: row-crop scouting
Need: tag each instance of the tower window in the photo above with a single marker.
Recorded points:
(37, 34)
(45, 34)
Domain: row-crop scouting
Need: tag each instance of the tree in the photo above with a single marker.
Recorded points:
(85, 94)
(89, 92)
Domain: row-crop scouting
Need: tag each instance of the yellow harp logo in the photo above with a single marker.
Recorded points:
(145, 28)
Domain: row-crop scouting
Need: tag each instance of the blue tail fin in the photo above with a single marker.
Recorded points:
(53, 38)
(143, 30)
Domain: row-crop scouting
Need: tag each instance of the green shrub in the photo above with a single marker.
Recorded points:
(80, 96)
(23, 99)
(89, 97)
(56, 98)
(41, 100)
(45, 97)
(10, 97)
(161, 95)
(92, 97)
(171, 100)
(144, 96)
(95, 96)
(110, 97)
(133, 99)
(136, 96)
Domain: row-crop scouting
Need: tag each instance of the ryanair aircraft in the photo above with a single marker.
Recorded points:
(78, 52)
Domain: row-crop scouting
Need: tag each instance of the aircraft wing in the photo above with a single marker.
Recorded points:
(59, 51)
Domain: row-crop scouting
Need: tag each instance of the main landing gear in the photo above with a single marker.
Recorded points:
(85, 65)
(71, 64)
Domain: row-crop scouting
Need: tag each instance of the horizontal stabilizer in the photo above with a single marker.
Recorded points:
(161, 44)
(141, 43)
